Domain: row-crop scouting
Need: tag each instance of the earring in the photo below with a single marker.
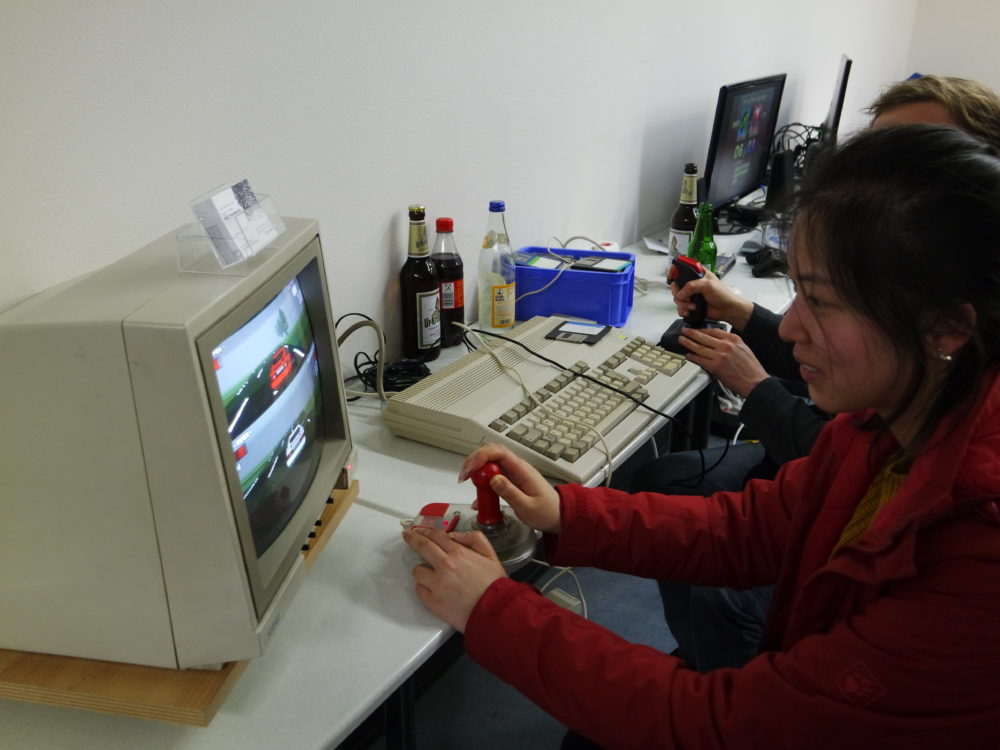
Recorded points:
(944, 357)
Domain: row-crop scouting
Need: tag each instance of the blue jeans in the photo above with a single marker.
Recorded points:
(713, 627)
(664, 474)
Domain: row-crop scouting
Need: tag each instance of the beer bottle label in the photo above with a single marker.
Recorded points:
(689, 189)
(429, 317)
(678, 242)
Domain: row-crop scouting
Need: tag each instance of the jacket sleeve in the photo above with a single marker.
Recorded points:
(761, 335)
(730, 538)
(867, 683)
(784, 423)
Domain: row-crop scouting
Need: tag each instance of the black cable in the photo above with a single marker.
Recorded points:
(674, 421)
(552, 362)
(696, 479)
(347, 315)
(396, 376)
(357, 375)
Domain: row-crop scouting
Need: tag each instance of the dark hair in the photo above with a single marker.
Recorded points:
(904, 221)
(973, 106)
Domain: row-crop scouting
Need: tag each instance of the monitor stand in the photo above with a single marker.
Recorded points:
(736, 219)
(182, 696)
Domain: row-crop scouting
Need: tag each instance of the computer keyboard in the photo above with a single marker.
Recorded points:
(474, 401)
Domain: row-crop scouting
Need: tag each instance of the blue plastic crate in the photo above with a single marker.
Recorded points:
(601, 296)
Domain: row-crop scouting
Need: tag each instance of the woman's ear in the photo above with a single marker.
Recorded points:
(949, 334)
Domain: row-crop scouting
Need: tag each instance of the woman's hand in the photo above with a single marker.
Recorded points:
(726, 356)
(532, 498)
(723, 303)
(458, 569)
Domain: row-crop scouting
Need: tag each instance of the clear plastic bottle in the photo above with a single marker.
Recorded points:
(450, 275)
(496, 274)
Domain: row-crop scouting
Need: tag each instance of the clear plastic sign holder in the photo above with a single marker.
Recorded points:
(232, 249)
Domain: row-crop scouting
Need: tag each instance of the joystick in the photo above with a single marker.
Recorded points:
(513, 541)
(682, 270)
(487, 500)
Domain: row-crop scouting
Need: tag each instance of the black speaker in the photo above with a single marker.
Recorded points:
(780, 182)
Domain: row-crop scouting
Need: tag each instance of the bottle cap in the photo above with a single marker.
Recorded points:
(497, 206)
(690, 168)
(417, 212)
(444, 224)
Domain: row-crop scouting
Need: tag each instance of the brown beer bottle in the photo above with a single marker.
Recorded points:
(685, 216)
(421, 299)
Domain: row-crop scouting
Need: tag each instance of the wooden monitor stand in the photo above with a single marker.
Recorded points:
(184, 696)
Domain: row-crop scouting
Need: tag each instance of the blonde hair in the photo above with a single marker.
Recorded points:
(975, 107)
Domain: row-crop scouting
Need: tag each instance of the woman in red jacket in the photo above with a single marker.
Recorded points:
(883, 543)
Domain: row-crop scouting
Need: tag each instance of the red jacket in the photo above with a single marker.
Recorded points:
(894, 642)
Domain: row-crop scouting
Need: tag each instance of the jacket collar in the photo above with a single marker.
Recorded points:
(959, 468)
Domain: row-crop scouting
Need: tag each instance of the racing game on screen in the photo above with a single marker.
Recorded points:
(268, 376)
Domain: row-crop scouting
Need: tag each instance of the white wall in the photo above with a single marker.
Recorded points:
(957, 38)
(579, 114)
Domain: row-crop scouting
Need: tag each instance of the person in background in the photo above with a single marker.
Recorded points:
(883, 543)
(941, 100)
(720, 627)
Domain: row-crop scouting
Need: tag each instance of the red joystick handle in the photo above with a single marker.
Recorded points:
(487, 499)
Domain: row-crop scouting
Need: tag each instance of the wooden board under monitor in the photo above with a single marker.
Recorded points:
(183, 696)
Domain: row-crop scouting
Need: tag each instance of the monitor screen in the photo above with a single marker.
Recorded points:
(267, 372)
(745, 118)
(830, 126)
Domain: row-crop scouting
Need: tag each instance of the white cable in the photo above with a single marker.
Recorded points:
(597, 245)
(368, 394)
(561, 572)
(378, 356)
(540, 405)
(566, 263)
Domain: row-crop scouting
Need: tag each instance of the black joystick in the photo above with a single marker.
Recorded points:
(682, 270)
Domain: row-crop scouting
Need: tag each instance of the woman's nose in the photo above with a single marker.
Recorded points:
(791, 328)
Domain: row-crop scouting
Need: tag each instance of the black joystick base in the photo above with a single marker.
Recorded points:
(682, 270)
(670, 338)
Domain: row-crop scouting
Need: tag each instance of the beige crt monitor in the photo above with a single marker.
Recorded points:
(168, 441)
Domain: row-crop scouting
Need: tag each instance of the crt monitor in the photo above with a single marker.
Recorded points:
(170, 439)
(831, 124)
(745, 118)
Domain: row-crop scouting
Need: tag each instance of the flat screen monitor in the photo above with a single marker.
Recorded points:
(746, 115)
(831, 124)
(170, 439)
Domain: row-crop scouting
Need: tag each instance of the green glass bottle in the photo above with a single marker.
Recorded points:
(695, 242)
(702, 247)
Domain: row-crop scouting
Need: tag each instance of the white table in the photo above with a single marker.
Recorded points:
(774, 293)
(354, 634)
(411, 474)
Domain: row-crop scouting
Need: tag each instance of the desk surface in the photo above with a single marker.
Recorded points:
(356, 630)
(354, 633)
(411, 474)
(774, 293)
